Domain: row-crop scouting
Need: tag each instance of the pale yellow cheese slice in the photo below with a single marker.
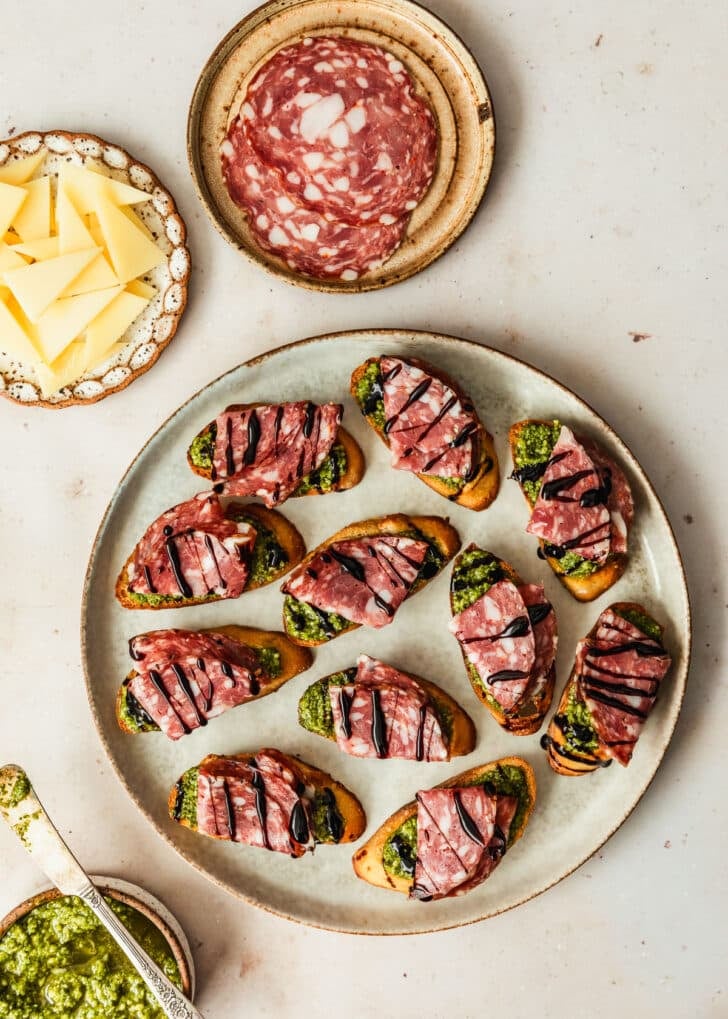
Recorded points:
(136, 220)
(21, 170)
(40, 250)
(36, 286)
(132, 254)
(65, 369)
(67, 318)
(11, 200)
(73, 235)
(141, 289)
(10, 258)
(13, 338)
(85, 188)
(97, 276)
(110, 325)
(34, 219)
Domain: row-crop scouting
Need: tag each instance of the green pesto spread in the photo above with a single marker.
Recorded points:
(576, 725)
(574, 565)
(400, 849)
(370, 395)
(308, 623)
(533, 446)
(58, 962)
(327, 824)
(475, 572)
(270, 661)
(185, 805)
(202, 450)
(643, 622)
(269, 557)
(12, 791)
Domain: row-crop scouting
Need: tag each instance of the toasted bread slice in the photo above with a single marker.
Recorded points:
(530, 715)
(572, 745)
(509, 776)
(438, 532)
(476, 494)
(342, 469)
(292, 659)
(277, 539)
(583, 588)
(314, 712)
(337, 814)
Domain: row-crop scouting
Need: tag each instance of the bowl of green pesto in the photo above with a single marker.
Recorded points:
(56, 959)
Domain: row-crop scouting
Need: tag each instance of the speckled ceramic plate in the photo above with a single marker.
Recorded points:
(573, 817)
(150, 333)
(445, 72)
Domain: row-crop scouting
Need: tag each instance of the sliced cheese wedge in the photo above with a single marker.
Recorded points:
(137, 221)
(67, 318)
(14, 340)
(34, 219)
(97, 276)
(84, 188)
(19, 171)
(10, 258)
(73, 234)
(40, 250)
(141, 289)
(132, 254)
(65, 369)
(11, 200)
(108, 327)
(36, 286)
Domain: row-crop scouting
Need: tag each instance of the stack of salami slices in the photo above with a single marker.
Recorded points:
(330, 153)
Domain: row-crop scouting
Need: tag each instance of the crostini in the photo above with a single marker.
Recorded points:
(618, 670)
(430, 426)
(275, 451)
(184, 678)
(363, 573)
(266, 799)
(450, 838)
(376, 710)
(581, 505)
(508, 638)
(200, 552)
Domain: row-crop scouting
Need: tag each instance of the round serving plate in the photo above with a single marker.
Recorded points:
(141, 900)
(444, 71)
(572, 818)
(150, 333)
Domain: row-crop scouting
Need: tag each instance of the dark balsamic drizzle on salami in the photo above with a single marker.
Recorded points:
(552, 490)
(157, 681)
(232, 828)
(537, 613)
(309, 420)
(497, 845)
(148, 578)
(211, 549)
(420, 748)
(404, 852)
(417, 393)
(532, 472)
(379, 726)
(345, 707)
(261, 807)
(187, 690)
(298, 825)
(355, 568)
(466, 822)
(253, 439)
(229, 457)
(600, 495)
(173, 556)
(517, 627)
(505, 676)
(619, 705)
(643, 650)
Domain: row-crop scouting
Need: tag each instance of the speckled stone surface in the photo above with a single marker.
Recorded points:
(599, 256)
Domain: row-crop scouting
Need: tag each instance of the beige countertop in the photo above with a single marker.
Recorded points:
(599, 256)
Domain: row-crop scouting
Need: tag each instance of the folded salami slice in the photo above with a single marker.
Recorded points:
(365, 580)
(267, 450)
(430, 430)
(340, 119)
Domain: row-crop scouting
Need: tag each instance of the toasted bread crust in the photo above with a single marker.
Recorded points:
(294, 659)
(347, 803)
(570, 765)
(584, 589)
(477, 494)
(367, 861)
(438, 530)
(463, 735)
(531, 714)
(354, 457)
(288, 537)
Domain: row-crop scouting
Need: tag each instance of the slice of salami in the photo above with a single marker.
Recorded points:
(570, 511)
(365, 580)
(497, 638)
(315, 243)
(454, 829)
(545, 635)
(193, 550)
(506, 807)
(341, 120)
(265, 451)
(185, 678)
(429, 429)
(257, 804)
(385, 713)
(619, 675)
(619, 498)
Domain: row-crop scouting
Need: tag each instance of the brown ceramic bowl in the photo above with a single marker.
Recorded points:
(139, 899)
(444, 71)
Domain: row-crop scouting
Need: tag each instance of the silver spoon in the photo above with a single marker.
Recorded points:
(24, 812)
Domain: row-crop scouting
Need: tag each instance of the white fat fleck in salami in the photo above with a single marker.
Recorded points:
(430, 430)
(497, 639)
(309, 242)
(619, 673)
(571, 512)
(359, 107)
